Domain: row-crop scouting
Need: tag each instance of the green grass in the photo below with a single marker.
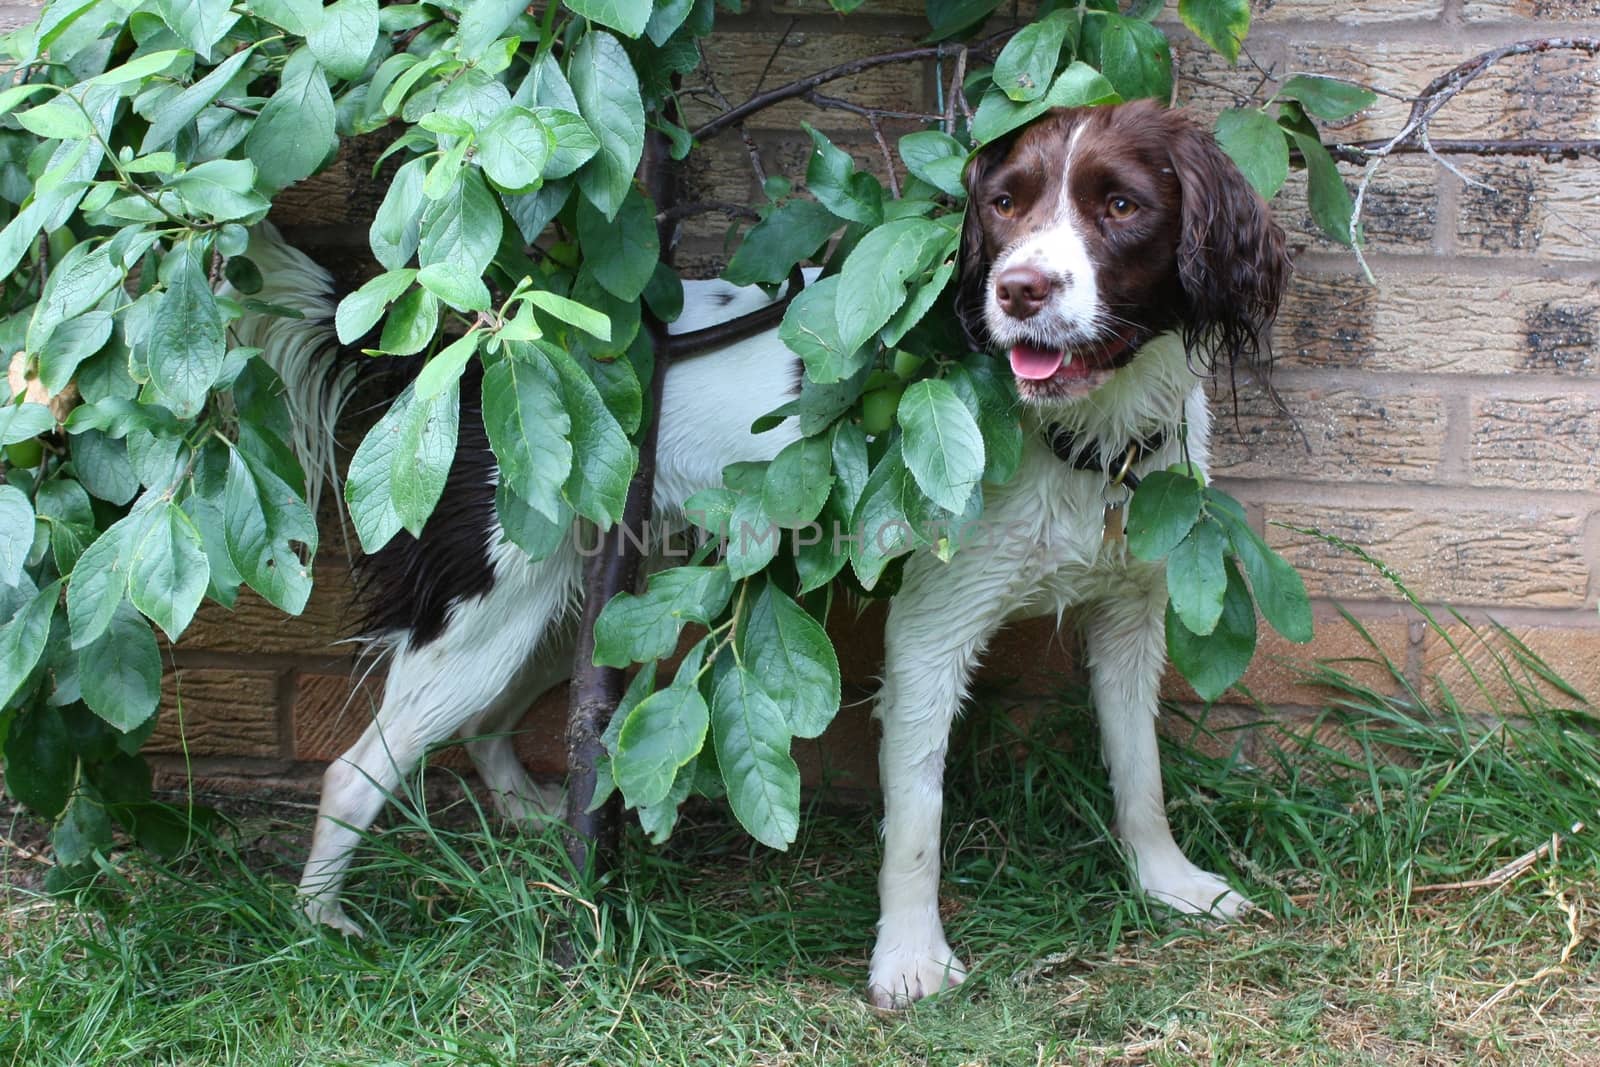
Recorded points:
(713, 951)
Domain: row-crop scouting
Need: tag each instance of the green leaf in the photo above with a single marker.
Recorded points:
(936, 158)
(186, 347)
(100, 580)
(524, 527)
(640, 628)
(872, 283)
(40, 759)
(528, 428)
(121, 671)
(1165, 508)
(881, 527)
(751, 735)
(811, 330)
(620, 251)
(1278, 588)
(607, 91)
(627, 17)
(1135, 58)
(167, 570)
(603, 458)
(1327, 98)
(444, 370)
(268, 527)
(56, 119)
(797, 482)
(515, 148)
(664, 732)
(140, 69)
(411, 325)
(832, 178)
(294, 134)
(789, 655)
(22, 640)
(83, 830)
(423, 452)
(753, 538)
(1195, 577)
(1026, 65)
(360, 311)
(1213, 662)
(182, 109)
(943, 446)
(594, 323)
(1326, 193)
(16, 533)
(462, 227)
(792, 233)
(344, 36)
(950, 17)
(992, 398)
(221, 189)
(397, 228)
(483, 22)
(460, 290)
(1079, 85)
(19, 422)
(1257, 146)
(201, 23)
(573, 142)
(1222, 24)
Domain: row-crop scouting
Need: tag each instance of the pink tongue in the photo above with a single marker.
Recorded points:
(1035, 364)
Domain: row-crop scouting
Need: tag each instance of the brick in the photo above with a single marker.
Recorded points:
(1400, 212)
(1363, 435)
(1439, 323)
(1530, 207)
(1281, 671)
(739, 64)
(1509, 10)
(1549, 95)
(1344, 12)
(1530, 556)
(1571, 653)
(256, 626)
(1540, 442)
(209, 711)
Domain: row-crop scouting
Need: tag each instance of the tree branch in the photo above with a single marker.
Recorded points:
(762, 101)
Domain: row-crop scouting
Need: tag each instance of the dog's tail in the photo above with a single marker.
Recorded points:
(301, 347)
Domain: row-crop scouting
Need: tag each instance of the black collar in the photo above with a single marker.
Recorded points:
(1071, 450)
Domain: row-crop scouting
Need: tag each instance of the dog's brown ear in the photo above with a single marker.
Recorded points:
(1232, 258)
(973, 262)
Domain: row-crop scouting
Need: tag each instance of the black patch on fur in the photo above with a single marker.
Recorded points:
(409, 585)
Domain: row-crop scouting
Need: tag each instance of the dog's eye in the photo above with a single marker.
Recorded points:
(1004, 206)
(1120, 207)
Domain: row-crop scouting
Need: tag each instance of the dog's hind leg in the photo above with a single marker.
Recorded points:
(488, 738)
(483, 659)
(1127, 646)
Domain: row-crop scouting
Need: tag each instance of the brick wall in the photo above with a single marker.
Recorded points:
(1452, 410)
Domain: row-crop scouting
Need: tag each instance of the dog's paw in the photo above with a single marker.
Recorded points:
(530, 807)
(331, 915)
(905, 972)
(1186, 888)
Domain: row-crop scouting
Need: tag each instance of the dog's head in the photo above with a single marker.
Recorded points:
(1092, 230)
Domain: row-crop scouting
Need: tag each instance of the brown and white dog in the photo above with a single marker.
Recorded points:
(1109, 253)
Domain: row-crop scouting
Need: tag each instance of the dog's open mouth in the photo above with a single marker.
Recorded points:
(1066, 373)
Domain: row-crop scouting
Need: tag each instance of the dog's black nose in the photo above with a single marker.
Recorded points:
(1022, 291)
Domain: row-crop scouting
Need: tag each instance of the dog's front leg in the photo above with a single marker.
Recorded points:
(1127, 652)
(930, 653)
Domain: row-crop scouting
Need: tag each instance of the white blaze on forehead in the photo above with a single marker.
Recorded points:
(1059, 250)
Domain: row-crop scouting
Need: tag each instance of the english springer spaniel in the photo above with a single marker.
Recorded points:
(1114, 255)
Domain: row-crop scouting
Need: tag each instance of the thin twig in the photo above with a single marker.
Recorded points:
(1552, 150)
(957, 80)
(1500, 876)
(678, 212)
(762, 101)
(888, 157)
